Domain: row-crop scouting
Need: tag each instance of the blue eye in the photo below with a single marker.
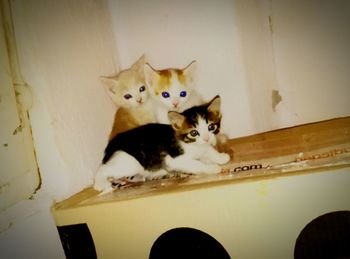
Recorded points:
(142, 88)
(183, 93)
(165, 94)
(127, 96)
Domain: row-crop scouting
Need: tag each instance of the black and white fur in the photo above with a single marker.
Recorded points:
(152, 150)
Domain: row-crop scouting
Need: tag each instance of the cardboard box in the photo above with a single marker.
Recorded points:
(276, 184)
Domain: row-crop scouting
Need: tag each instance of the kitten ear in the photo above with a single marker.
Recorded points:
(190, 72)
(151, 75)
(176, 119)
(214, 105)
(109, 83)
(139, 64)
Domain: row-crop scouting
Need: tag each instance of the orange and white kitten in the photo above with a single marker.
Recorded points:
(129, 92)
(172, 89)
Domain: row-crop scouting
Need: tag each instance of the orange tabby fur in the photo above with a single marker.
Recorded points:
(135, 111)
(123, 121)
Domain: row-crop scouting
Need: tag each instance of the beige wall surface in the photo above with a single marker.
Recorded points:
(18, 169)
(63, 48)
(275, 63)
(173, 33)
(311, 42)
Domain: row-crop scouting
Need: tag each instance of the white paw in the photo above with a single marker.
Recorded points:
(101, 184)
(155, 175)
(106, 191)
(213, 169)
(223, 158)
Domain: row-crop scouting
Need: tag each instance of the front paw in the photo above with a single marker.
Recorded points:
(101, 184)
(223, 158)
(213, 169)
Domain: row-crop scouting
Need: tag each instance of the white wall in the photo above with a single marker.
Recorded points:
(247, 50)
(259, 65)
(311, 42)
(63, 48)
(173, 33)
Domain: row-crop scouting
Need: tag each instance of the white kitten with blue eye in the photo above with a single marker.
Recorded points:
(172, 90)
(127, 89)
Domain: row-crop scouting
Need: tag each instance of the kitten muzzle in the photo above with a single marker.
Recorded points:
(206, 138)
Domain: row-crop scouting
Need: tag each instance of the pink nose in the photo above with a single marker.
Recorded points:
(175, 104)
(206, 138)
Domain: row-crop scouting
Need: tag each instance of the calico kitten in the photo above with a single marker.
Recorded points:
(151, 150)
(129, 92)
(172, 89)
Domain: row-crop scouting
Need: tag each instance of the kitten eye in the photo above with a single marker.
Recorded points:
(183, 93)
(212, 127)
(142, 89)
(127, 96)
(194, 133)
(165, 94)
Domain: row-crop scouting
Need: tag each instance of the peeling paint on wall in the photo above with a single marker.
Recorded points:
(276, 99)
(19, 178)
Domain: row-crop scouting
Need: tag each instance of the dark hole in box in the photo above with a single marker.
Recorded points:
(77, 241)
(327, 236)
(187, 243)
